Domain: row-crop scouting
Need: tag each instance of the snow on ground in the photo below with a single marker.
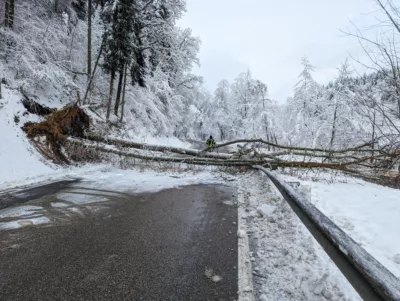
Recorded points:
(285, 260)
(20, 211)
(18, 159)
(165, 141)
(137, 182)
(21, 216)
(79, 199)
(368, 212)
(24, 222)
(21, 164)
(52, 176)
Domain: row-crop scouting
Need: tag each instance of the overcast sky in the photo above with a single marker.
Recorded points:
(269, 37)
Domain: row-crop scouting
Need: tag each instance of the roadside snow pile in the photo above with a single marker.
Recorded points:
(368, 212)
(18, 158)
(285, 260)
(266, 210)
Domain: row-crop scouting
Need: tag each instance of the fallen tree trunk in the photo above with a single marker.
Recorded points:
(196, 161)
(345, 167)
(156, 148)
(355, 149)
(339, 162)
(60, 126)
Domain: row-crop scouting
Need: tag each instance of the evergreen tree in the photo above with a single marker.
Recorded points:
(118, 17)
(80, 8)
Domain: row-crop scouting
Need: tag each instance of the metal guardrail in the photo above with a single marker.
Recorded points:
(368, 277)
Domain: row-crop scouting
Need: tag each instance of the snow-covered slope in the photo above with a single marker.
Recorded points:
(18, 158)
(368, 212)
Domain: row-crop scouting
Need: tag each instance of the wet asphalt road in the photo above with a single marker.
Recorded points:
(12, 198)
(146, 247)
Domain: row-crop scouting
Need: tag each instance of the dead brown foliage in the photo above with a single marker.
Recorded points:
(69, 121)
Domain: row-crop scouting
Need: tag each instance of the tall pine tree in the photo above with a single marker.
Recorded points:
(118, 17)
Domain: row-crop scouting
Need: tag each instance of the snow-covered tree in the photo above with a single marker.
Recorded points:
(119, 39)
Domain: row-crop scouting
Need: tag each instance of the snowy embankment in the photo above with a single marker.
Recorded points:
(368, 212)
(21, 164)
(18, 158)
(285, 261)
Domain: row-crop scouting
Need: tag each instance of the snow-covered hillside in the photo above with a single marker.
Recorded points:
(18, 158)
(45, 56)
(368, 212)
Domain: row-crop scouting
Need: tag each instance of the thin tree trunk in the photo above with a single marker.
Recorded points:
(373, 136)
(110, 95)
(398, 106)
(94, 72)
(276, 142)
(11, 15)
(119, 90)
(89, 46)
(123, 93)
(333, 127)
(6, 13)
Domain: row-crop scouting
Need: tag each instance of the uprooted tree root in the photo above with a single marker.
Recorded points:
(36, 108)
(56, 128)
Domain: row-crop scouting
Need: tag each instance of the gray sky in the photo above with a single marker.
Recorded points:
(269, 37)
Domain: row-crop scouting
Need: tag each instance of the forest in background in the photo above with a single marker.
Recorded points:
(131, 65)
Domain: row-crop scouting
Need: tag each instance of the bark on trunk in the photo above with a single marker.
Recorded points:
(94, 71)
(373, 136)
(89, 49)
(123, 93)
(333, 127)
(11, 14)
(110, 95)
(118, 98)
(6, 13)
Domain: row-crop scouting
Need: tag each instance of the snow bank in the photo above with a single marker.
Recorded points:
(18, 158)
(368, 212)
(21, 164)
(287, 262)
